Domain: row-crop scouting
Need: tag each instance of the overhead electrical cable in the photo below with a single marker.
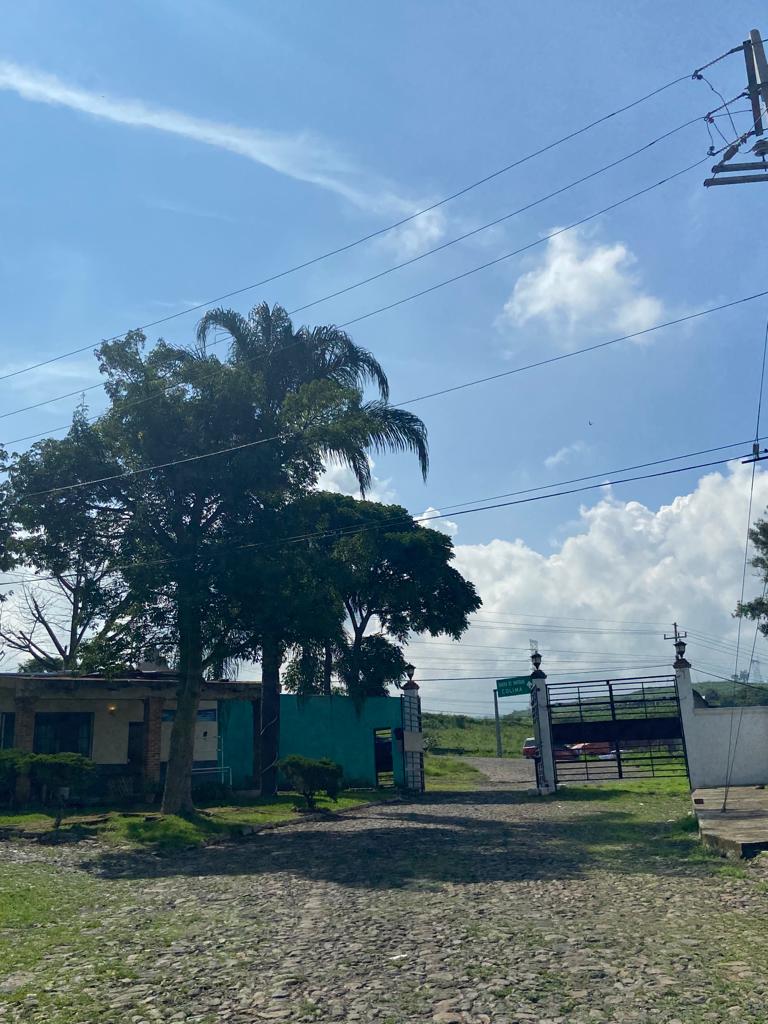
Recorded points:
(399, 266)
(380, 231)
(470, 383)
(364, 527)
(733, 746)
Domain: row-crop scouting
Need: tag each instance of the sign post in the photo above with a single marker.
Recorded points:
(499, 751)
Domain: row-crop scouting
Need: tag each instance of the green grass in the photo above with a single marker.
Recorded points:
(442, 772)
(476, 737)
(168, 833)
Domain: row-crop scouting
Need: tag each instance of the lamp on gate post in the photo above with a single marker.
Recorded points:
(410, 685)
(681, 661)
(536, 659)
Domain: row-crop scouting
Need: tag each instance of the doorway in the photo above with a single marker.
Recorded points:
(382, 746)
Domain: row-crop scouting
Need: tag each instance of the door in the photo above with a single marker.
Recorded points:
(382, 746)
(136, 748)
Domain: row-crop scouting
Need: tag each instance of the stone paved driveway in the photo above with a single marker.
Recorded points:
(464, 908)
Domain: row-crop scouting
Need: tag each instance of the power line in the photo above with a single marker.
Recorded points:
(516, 252)
(466, 384)
(373, 234)
(583, 351)
(363, 527)
(408, 262)
(591, 476)
(731, 759)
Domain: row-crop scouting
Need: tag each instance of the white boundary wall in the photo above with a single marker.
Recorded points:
(708, 732)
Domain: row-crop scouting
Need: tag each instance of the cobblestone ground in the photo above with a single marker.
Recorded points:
(488, 907)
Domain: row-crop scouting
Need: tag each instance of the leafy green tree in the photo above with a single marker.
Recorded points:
(312, 384)
(391, 574)
(282, 402)
(66, 536)
(6, 529)
(757, 609)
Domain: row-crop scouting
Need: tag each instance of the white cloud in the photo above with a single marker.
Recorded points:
(339, 479)
(579, 284)
(446, 526)
(303, 156)
(565, 454)
(628, 567)
(418, 235)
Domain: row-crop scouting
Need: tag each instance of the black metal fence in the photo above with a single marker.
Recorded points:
(616, 729)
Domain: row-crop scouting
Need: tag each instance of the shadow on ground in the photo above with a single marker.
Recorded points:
(467, 837)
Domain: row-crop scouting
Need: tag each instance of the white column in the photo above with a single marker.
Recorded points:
(413, 739)
(700, 755)
(546, 783)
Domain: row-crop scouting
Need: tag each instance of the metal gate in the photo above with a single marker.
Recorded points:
(616, 729)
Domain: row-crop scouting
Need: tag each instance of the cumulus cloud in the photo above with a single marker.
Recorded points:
(628, 568)
(339, 479)
(303, 156)
(581, 284)
(565, 454)
(446, 526)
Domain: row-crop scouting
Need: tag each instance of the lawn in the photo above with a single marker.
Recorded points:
(442, 772)
(167, 833)
(476, 737)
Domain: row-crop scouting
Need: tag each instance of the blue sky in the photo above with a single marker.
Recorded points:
(156, 155)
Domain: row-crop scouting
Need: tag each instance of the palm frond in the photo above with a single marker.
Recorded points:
(229, 320)
(391, 429)
(337, 357)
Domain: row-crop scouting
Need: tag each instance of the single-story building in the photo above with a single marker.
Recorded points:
(124, 725)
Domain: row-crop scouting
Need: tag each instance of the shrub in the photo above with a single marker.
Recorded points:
(13, 763)
(309, 777)
(52, 772)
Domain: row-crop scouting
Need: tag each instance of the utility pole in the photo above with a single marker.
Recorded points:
(499, 751)
(676, 635)
(757, 91)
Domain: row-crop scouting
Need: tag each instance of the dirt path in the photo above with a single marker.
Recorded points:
(507, 771)
(489, 907)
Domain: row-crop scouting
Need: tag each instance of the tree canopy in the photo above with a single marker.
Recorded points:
(186, 518)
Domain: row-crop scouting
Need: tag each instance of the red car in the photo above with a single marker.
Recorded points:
(562, 753)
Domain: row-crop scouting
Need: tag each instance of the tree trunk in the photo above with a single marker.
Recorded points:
(353, 685)
(271, 659)
(327, 669)
(177, 795)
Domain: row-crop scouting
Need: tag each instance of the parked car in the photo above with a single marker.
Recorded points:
(561, 752)
(594, 748)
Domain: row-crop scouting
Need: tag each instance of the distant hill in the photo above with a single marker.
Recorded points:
(476, 737)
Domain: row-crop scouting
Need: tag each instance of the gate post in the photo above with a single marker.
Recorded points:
(546, 780)
(684, 687)
(413, 739)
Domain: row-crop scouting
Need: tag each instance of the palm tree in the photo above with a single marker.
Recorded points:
(326, 373)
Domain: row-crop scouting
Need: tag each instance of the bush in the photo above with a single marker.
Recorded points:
(13, 763)
(51, 772)
(309, 777)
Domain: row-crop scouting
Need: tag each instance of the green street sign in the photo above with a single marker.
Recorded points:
(513, 686)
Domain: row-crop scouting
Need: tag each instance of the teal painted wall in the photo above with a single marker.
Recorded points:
(316, 727)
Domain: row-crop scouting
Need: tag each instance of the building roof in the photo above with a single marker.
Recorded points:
(134, 685)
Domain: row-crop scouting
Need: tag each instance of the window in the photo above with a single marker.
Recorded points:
(58, 732)
(7, 726)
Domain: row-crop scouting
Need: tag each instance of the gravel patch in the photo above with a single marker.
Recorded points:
(489, 907)
(508, 771)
